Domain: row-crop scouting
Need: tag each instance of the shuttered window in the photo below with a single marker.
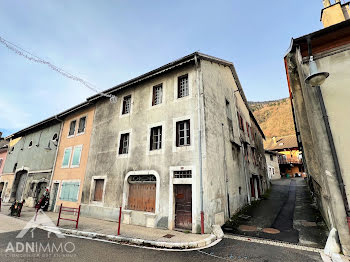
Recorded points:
(66, 157)
(76, 156)
(98, 193)
(142, 197)
(69, 191)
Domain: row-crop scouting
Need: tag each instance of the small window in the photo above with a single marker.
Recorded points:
(66, 157)
(126, 105)
(72, 128)
(247, 126)
(124, 144)
(157, 96)
(82, 122)
(183, 174)
(98, 190)
(228, 110)
(182, 88)
(30, 144)
(183, 133)
(14, 168)
(271, 157)
(76, 156)
(12, 149)
(69, 191)
(55, 137)
(240, 190)
(1, 160)
(156, 138)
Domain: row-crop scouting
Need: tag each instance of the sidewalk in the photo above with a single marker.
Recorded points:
(107, 230)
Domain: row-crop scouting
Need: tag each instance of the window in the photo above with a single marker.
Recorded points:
(183, 133)
(1, 160)
(66, 157)
(98, 192)
(157, 96)
(76, 156)
(14, 168)
(247, 126)
(271, 157)
(142, 193)
(124, 144)
(182, 86)
(183, 174)
(126, 105)
(156, 138)
(30, 144)
(72, 128)
(69, 191)
(12, 149)
(55, 137)
(82, 122)
(228, 110)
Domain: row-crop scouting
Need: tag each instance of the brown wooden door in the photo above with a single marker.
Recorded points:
(183, 206)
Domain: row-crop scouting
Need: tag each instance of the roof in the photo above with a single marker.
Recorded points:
(271, 152)
(189, 59)
(324, 39)
(283, 142)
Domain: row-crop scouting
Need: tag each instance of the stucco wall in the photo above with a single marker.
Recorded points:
(73, 173)
(3, 156)
(273, 163)
(103, 158)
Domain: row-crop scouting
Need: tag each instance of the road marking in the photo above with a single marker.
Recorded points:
(273, 243)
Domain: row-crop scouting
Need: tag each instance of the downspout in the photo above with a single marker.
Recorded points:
(225, 172)
(200, 145)
(58, 143)
(331, 141)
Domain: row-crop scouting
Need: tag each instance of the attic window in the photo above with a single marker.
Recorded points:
(13, 148)
(55, 136)
(30, 144)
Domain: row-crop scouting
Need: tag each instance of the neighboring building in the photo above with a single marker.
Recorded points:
(180, 140)
(72, 155)
(272, 161)
(321, 112)
(30, 160)
(3, 153)
(289, 156)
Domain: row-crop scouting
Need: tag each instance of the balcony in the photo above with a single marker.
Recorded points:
(286, 160)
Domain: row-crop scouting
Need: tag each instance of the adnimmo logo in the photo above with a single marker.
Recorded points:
(51, 243)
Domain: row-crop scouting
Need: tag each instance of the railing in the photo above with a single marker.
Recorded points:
(70, 210)
(289, 160)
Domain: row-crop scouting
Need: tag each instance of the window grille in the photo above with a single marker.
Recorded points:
(142, 179)
(126, 105)
(183, 89)
(157, 94)
(183, 174)
(124, 144)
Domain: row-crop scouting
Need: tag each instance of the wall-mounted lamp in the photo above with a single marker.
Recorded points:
(54, 142)
(315, 78)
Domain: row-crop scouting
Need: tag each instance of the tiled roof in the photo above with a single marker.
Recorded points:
(283, 142)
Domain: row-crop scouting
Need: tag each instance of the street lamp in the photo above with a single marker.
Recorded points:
(315, 78)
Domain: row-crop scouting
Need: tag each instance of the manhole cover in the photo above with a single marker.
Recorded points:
(271, 230)
(247, 228)
(168, 236)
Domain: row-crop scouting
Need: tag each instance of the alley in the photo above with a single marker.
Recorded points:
(285, 214)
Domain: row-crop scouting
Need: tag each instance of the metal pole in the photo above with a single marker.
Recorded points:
(76, 225)
(119, 219)
(59, 215)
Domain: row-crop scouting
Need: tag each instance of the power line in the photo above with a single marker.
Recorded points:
(29, 56)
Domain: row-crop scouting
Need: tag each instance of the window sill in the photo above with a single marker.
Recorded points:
(183, 148)
(155, 152)
(122, 155)
(80, 134)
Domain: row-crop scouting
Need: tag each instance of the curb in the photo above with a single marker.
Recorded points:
(137, 241)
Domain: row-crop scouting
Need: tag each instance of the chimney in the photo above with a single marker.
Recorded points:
(335, 13)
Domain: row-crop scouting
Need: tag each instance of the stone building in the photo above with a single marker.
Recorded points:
(317, 67)
(181, 141)
(273, 169)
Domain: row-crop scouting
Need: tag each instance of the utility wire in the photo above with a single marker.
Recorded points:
(29, 56)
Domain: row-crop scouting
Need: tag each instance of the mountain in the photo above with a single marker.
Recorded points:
(274, 117)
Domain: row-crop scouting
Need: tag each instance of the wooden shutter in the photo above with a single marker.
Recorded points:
(99, 184)
(142, 197)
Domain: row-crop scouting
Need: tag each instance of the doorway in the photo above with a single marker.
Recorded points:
(19, 185)
(1, 188)
(183, 206)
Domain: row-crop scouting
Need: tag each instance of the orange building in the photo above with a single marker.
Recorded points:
(72, 155)
(290, 158)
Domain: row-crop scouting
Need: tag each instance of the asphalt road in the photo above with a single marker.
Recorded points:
(77, 249)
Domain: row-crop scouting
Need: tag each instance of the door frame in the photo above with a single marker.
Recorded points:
(58, 182)
(187, 181)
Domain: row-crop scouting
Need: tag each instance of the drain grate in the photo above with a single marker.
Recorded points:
(168, 236)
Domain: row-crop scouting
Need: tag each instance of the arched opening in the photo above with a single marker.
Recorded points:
(19, 185)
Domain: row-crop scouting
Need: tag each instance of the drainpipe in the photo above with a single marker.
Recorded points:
(331, 142)
(200, 145)
(58, 143)
(225, 172)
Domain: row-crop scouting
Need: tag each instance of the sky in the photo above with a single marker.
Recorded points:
(109, 42)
